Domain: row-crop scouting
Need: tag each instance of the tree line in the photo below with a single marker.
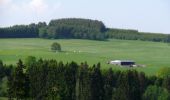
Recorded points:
(56, 29)
(19, 31)
(53, 80)
(136, 35)
(77, 28)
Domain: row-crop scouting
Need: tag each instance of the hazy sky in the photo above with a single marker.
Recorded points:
(144, 15)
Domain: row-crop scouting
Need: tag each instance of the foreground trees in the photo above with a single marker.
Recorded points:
(52, 80)
(156, 93)
(18, 84)
(128, 87)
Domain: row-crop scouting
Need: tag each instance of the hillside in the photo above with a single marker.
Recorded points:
(152, 54)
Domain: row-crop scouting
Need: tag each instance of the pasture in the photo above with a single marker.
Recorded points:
(153, 55)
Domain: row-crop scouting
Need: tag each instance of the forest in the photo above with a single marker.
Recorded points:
(77, 28)
(40, 79)
(135, 35)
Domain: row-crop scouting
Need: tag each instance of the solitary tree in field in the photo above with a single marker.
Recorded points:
(56, 47)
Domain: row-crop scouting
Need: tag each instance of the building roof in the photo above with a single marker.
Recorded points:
(122, 61)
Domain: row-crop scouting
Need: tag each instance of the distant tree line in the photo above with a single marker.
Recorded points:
(56, 29)
(19, 31)
(77, 28)
(52, 80)
(74, 28)
(135, 35)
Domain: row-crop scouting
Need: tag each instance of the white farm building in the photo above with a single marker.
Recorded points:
(122, 62)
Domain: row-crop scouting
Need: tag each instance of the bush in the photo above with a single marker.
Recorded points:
(164, 72)
(156, 93)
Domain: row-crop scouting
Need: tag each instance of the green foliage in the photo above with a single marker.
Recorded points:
(167, 39)
(56, 47)
(3, 86)
(128, 87)
(3, 79)
(71, 78)
(109, 84)
(1, 70)
(10, 83)
(18, 82)
(163, 72)
(156, 93)
(41, 24)
(42, 32)
(135, 35)
(30, 61)
(143, 81)
(19, 31)
(52, 80)
(55, 81)
(166, 83)
(3, 98)
(76, 28)
(83, 83)
(96, 83)
(159, 81)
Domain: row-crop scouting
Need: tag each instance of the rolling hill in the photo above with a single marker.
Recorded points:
(153, 55)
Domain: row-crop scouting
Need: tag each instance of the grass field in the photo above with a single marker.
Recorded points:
(152, 54)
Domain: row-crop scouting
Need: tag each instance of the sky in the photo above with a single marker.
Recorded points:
(142, 15)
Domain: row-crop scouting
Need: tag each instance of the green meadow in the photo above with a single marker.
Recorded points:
(153, 55)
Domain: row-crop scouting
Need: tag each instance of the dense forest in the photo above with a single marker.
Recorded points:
(77, 28)
(61, 28)
(51, 80)
(20, 31)
(135, 35)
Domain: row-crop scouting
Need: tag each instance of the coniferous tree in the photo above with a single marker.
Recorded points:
(96, 83)
(19, 82)
(70, 78)
(109, 85)
(53, 81)
(1, 67)
(142, 82)
(166, 83)
(10, 83)
(83, 83)
(38, 77)
(154, 92)
(128, 87)
(10, 88)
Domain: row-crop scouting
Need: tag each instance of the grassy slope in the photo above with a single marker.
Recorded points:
(152, 54)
